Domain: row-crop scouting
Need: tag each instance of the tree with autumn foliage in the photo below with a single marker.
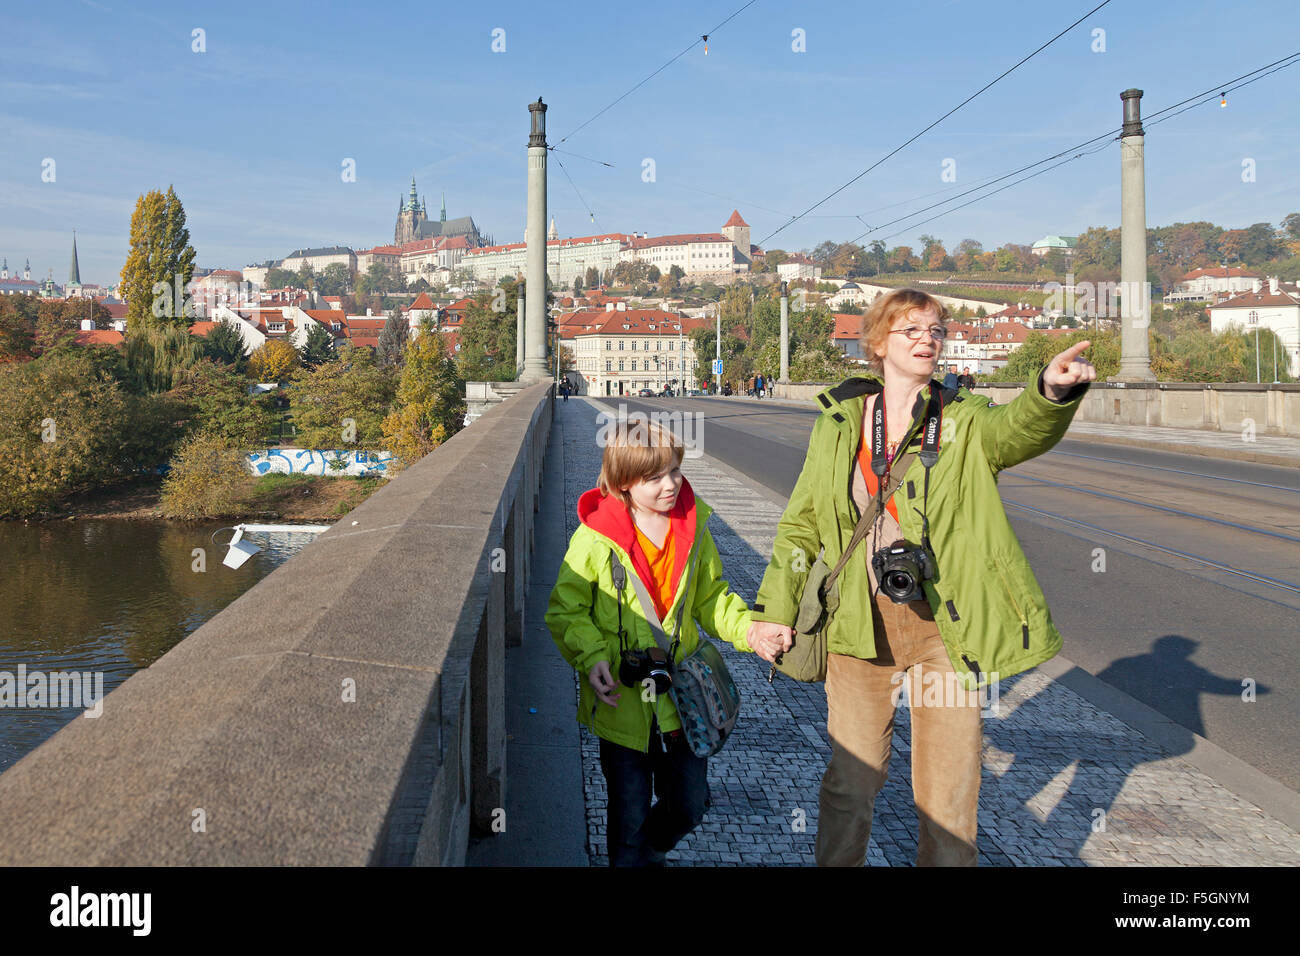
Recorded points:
(159, 264)
(274, 361)
(429, 408)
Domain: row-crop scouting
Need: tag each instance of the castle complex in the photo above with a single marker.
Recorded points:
(414, 224)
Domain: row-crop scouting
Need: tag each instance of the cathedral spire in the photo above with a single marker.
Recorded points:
(443, 217)
(74, 272)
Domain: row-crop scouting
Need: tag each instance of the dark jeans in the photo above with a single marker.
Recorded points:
(638, 834)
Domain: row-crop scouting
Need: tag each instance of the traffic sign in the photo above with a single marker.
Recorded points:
(717, 366)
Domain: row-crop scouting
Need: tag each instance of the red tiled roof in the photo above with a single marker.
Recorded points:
(1012, 311)
(735, 220)
(324, 316)
(422, 301)
(847, 326)
(1251, 300)
(203, 328)
(573, 241)
(100, 337)
(419, 245)
(679, 240)
(226, 272)
(1221, 272)
(637, 320)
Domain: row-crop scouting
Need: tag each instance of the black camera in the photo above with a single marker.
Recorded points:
(637, 665)
(900, 568)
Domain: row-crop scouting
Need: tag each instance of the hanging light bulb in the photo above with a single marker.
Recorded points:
(1223, 99)
(706, 44)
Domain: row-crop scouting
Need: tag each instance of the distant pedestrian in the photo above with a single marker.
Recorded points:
(758, 386)
(966, 379)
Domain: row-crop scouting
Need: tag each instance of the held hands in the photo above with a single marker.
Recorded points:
(1067, 370)
(604, 684)
(768, 639)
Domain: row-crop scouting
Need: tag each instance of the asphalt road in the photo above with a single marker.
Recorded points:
(1174, 578)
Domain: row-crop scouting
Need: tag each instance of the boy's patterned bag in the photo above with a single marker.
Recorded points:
(706, 697)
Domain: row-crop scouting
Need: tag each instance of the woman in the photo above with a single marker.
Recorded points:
(978, 616)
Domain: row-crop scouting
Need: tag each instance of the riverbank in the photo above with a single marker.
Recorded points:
(297, 498)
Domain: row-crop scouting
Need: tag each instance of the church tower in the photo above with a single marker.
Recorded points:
(410, 217)
(737, 230)
(74, 271)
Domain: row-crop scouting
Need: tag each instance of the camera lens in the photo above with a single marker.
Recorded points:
(899, 582)
(663, 680)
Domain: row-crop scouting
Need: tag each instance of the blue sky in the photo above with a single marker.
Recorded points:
(253, 132)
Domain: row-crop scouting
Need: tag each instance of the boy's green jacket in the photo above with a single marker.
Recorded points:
(583, 611)
(990, 611)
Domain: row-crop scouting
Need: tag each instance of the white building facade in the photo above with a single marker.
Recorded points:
(627, 351)
(566, 259)
(1275, 307)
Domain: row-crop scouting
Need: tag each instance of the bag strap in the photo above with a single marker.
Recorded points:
(648, 604)
(896, 473)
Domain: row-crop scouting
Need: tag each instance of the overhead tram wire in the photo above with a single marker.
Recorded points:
(688, 49)
(1017, 182)
(1230, 87)
(1147, 121)
(918, 135)
(566, 152)
(1108, 137)
(575, 189)
(1153, 119)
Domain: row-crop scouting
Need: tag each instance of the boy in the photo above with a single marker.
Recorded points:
(645, 512)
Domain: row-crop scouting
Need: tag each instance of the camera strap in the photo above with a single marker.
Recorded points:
(881, 464)
(620, 581)
(929, 454)
(648, 604)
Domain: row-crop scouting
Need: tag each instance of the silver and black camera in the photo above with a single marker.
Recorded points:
(900, 568)
(634, 666)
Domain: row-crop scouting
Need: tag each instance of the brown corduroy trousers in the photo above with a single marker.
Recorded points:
(946, 742)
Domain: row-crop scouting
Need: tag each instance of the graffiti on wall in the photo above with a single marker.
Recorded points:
(331, 462)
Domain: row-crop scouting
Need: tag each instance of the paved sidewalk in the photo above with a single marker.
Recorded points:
(1066, 783)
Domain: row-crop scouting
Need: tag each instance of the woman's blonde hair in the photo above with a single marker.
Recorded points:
(880, 317)
(635, 450)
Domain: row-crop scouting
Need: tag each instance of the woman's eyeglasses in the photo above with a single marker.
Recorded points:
(913, 332)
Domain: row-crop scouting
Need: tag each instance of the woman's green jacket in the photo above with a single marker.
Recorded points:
(991, 612)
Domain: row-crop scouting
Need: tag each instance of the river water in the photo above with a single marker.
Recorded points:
(107, 597)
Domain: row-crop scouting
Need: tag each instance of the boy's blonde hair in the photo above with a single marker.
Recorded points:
(635, 450)
(880, 319)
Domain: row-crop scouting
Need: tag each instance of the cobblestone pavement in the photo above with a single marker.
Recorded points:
(1064, 783)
